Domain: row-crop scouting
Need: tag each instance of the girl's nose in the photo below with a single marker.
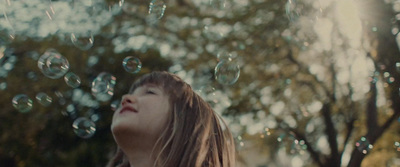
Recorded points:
(128, 99)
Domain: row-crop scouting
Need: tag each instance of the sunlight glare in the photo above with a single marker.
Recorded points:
(349, 22)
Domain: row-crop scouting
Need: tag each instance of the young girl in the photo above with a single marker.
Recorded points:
(162, 122)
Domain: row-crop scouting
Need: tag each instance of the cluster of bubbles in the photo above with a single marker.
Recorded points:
(227, 71)
(363, 145)
(52, 64)
(103, 86)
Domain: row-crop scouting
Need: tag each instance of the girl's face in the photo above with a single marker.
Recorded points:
(143, 112)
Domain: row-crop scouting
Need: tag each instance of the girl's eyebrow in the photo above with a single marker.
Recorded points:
(151, 85)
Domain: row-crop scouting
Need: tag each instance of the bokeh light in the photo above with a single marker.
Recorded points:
(363, 145)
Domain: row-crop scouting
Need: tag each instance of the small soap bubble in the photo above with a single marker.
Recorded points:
(114, 105)
(95, 117)
(103, 86)
(217, 4)
(22, 103)
(265, 133)
(395, 29)
(293, 10)
(213, 32)
(44, 99)
(53, 64)
(72, 80)
(157, 8)
(32, 76)
(83, 41)
(3, 83)
(398, 67)
(224, 55)
(84, 127)
(132, 64)
(298, 147)
(363, 145)
(115, 6)
(227, 72)
(209, 94)
(397, 146)
(239, 142)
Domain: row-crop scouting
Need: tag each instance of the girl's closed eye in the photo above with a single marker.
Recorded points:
(148, 91)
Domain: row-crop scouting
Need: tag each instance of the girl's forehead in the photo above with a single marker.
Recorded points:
(147, 85)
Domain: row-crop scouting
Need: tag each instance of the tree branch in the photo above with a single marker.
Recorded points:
(372, 115)
(331, 133)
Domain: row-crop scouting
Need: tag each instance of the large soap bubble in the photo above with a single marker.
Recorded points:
(84, 127)
(103, 86)
(22, 103)
(53, 64)
(227, 72)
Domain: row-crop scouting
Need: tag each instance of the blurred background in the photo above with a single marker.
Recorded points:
(311, 83)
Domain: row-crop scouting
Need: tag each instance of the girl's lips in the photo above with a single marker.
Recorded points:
(128, 108)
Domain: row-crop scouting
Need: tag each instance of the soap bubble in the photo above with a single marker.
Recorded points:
(132, 64)
(53, 64)
(218, 4)
(293, 10)
(3, 83)
(213, 32)
(103, 86)
(114, 105)
(115, 6)
(72, 80)
(82, 41)
(227, 72)
(22, 103)
(298, 147)
(224, 55)
(44, 99)
(84, 127)
(157, 8)
(363, 145)
(397, 146)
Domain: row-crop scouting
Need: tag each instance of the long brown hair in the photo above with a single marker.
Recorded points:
(193, 137)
